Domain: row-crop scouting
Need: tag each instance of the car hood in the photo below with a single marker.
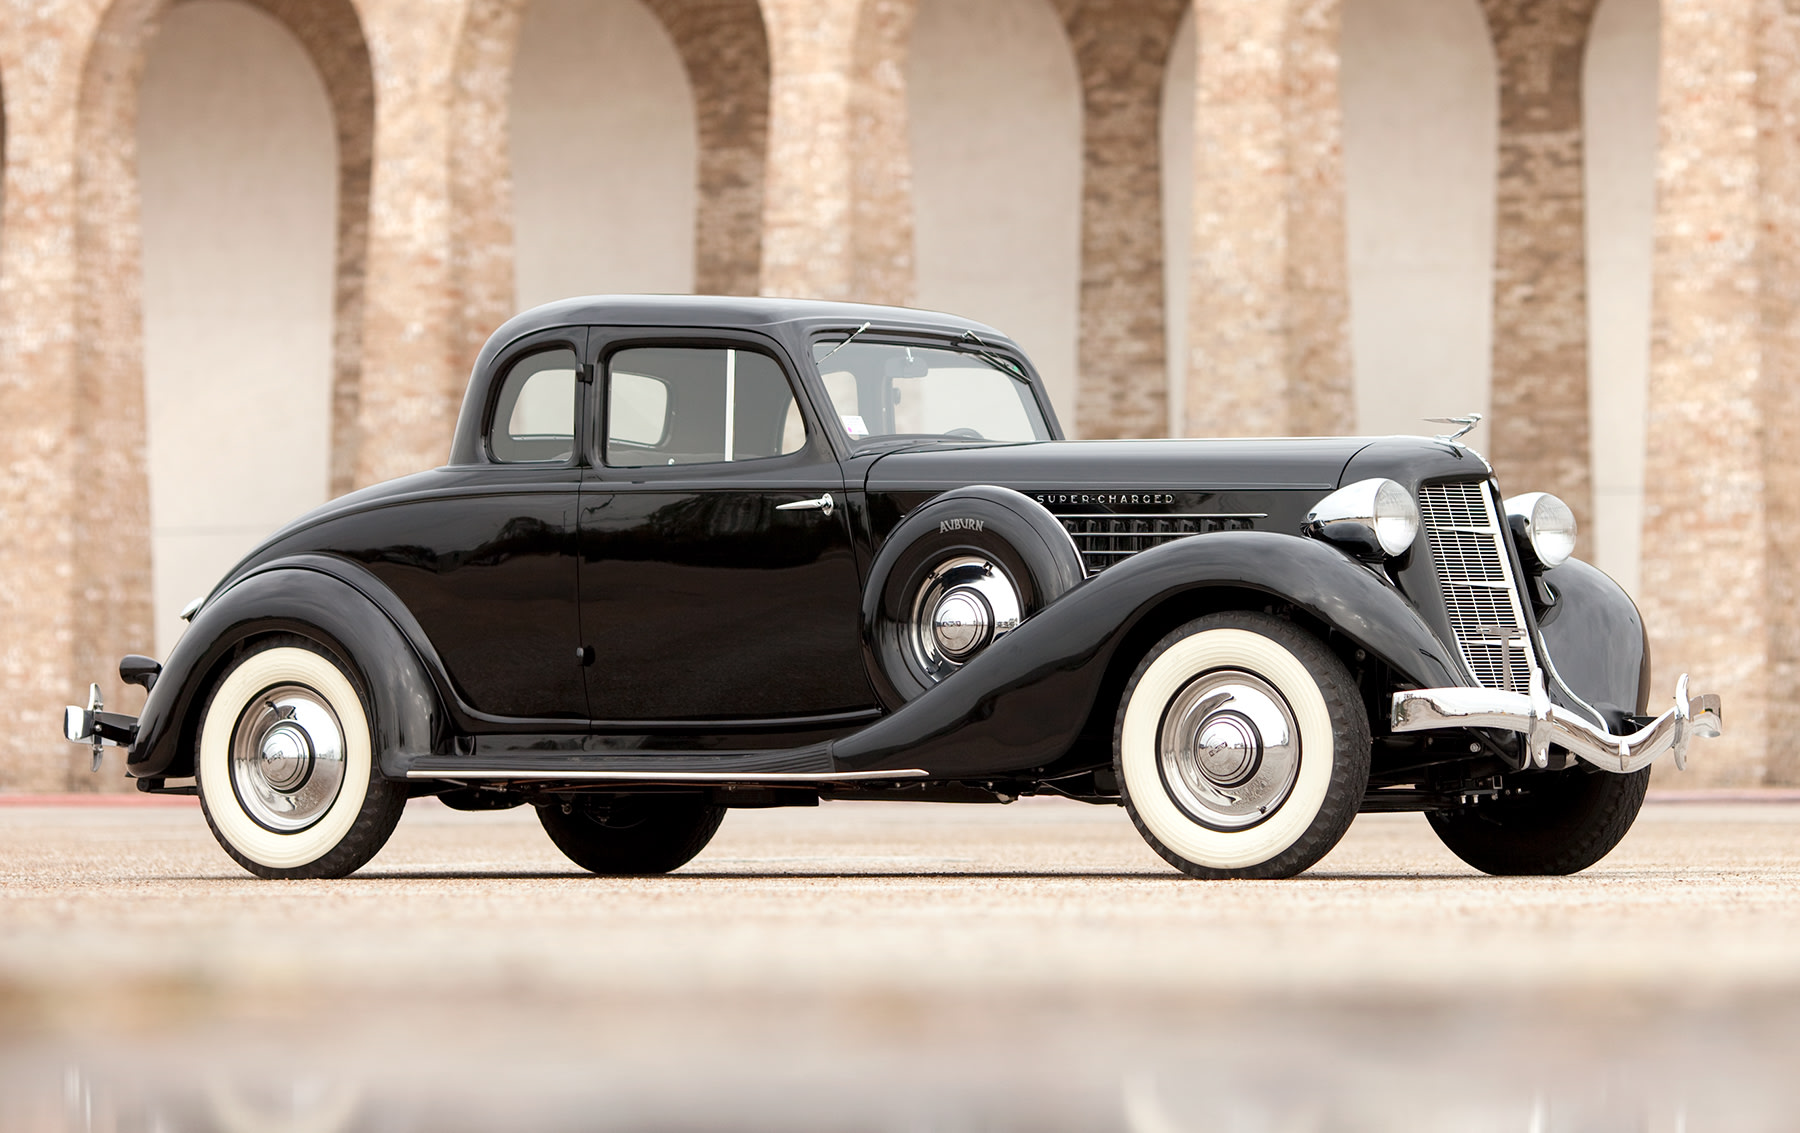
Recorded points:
(1279, 463)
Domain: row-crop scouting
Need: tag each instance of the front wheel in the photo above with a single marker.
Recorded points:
(1564, 822)
(630, 834)
(286, 769)
(1242, 747)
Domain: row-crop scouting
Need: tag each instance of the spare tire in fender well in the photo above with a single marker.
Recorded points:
(405, 704)
(1030, 557)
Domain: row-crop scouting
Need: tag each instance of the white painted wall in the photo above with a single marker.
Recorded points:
(994, 107)
(1421, 131)
(1177, 126)
(1619, 112)
(603, 153)
(237, 165)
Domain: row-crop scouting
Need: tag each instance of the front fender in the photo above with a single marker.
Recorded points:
(1022, 702)
(294, 596)
(1596, 641)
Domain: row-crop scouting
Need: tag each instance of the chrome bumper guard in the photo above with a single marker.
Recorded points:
(1544, 724)
(93, 726)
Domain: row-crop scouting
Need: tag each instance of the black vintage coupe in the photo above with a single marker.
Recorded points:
(692, 554)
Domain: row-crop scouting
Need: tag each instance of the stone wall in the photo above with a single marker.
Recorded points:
(804, 188)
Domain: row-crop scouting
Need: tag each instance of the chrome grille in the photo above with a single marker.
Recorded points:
(1104, 540)
(1463, 530)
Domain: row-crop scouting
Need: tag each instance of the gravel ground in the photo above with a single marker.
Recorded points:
(893, 966)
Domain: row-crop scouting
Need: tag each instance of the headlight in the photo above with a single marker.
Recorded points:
(1375, 517)
(1544, 525)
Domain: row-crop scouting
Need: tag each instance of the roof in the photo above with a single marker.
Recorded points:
(722, 310)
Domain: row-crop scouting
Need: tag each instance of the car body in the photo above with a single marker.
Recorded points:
(694, 553)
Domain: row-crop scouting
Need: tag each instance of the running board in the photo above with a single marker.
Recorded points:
(798, 765)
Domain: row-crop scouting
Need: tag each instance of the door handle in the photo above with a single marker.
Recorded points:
(823, 504)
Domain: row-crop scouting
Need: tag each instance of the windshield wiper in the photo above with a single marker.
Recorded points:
(998, 361)
(842, 344)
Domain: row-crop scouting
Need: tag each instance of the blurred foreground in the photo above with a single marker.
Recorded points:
(895, 967)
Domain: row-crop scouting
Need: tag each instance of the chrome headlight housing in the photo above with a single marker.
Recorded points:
(1374, 517)
(1544, 527)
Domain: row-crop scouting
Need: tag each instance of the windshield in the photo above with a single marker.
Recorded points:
(881, 390)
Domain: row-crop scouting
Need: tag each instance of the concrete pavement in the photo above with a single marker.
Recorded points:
(896, 966)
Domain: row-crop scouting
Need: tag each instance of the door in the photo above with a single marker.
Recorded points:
(487, 562)
(718, 576)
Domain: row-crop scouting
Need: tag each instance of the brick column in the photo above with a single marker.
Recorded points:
(1539, 428)
(1122, 50)
(726, 53)
(837, 214)
(1705, 592)
(413, 379)
(1268, 325)
(481, 284)
(42, 51)
(1778, 128)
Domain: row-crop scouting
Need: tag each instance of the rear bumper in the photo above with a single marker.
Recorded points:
(92, 726)
(1545, 725)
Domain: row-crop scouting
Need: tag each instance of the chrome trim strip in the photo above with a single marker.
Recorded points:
(1162, 515)
(1545, 724)
(676, 776)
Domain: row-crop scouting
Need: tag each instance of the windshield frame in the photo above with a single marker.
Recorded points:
(965, 343)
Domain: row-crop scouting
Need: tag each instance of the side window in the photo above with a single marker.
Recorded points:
(697, 405)
(534, 417)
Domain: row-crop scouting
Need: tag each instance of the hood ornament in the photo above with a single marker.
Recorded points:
(1467, 423)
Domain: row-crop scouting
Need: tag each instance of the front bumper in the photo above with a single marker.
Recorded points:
(1544, 724)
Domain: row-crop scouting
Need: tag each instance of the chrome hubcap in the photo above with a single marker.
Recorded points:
(1229, 749)
(287, 758)
(964, 605)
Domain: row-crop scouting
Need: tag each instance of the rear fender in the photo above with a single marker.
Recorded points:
(1020, 705)
(314, 600)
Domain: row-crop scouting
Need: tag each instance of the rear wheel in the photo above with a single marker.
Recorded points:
(286, 770)
(1242, 747)
(1564, 823)
(630, 834)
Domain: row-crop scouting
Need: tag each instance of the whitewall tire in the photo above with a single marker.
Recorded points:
(286, 768)
(1242, 747)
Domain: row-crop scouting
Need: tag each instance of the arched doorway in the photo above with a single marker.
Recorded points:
(1421, 136)
(250, 158)
(604, 153)
(1619, 130)
(994, 111)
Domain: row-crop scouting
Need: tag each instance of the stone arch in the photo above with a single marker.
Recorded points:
(1177, 154)
(113, 586)
(994, 101)
(724, 52)
(1619, 123)
(602, 139)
